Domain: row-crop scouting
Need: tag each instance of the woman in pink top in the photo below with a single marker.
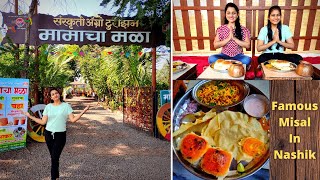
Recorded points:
(232, 37)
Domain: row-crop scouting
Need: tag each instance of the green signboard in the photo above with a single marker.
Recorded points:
(165, 97)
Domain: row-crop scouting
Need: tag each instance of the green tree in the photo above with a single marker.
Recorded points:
(9, 66)
(90, 64)
(109, 69)
(54, 70)
(126, 69)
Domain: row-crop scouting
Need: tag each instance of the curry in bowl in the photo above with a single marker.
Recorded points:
(220, 93)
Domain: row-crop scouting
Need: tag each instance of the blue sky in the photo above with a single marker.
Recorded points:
(55, 7)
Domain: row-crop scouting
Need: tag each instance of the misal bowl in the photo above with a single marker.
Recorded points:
(241, 85)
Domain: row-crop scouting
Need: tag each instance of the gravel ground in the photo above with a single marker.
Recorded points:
(99, 146)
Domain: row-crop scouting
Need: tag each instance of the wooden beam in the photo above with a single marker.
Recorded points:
(211, 24)
(16, 7)
(199, 24)
(281, 169)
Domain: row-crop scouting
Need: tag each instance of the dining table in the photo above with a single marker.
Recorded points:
(210, 73)
(316, 71)
(186, 74)
(288, 75)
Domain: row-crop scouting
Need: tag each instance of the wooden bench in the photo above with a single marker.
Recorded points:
(194, 25)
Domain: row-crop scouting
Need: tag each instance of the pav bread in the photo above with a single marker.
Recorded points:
(221, 64)
(216, 162)
(193, 147)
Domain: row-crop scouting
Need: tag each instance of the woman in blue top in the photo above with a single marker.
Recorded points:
(55, 115)
(274, 37)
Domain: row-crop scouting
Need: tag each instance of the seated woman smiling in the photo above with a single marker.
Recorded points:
(232, 37)
(274, 37)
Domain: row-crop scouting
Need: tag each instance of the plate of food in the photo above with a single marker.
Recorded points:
(222, 65)
(219, 143)
(19, 132)
(178, 66)
(280, 65)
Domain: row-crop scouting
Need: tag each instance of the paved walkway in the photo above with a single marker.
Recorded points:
(99, 146)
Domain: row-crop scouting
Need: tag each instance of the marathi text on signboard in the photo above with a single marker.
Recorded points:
(68, 29)
(165, 97)
(13, 123)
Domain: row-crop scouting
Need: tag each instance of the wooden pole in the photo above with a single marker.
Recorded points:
(154, 91)
(16, 9)
(36, 83)
(36, 93)
(36, 9)
(154, 71)
(31, 12)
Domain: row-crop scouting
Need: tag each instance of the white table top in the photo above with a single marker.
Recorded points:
(316, 65)
(209, 73)
(175, 76)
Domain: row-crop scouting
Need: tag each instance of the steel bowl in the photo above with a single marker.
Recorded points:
(243, 87)
(256, 105)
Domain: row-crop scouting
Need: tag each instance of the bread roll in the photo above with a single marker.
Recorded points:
(221, 64)
(216, 162)
(193, 147)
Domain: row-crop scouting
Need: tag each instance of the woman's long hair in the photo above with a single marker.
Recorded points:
(59, 91)
(278, 26)
(237, 22)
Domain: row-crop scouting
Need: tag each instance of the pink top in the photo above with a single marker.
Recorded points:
(232, 48)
